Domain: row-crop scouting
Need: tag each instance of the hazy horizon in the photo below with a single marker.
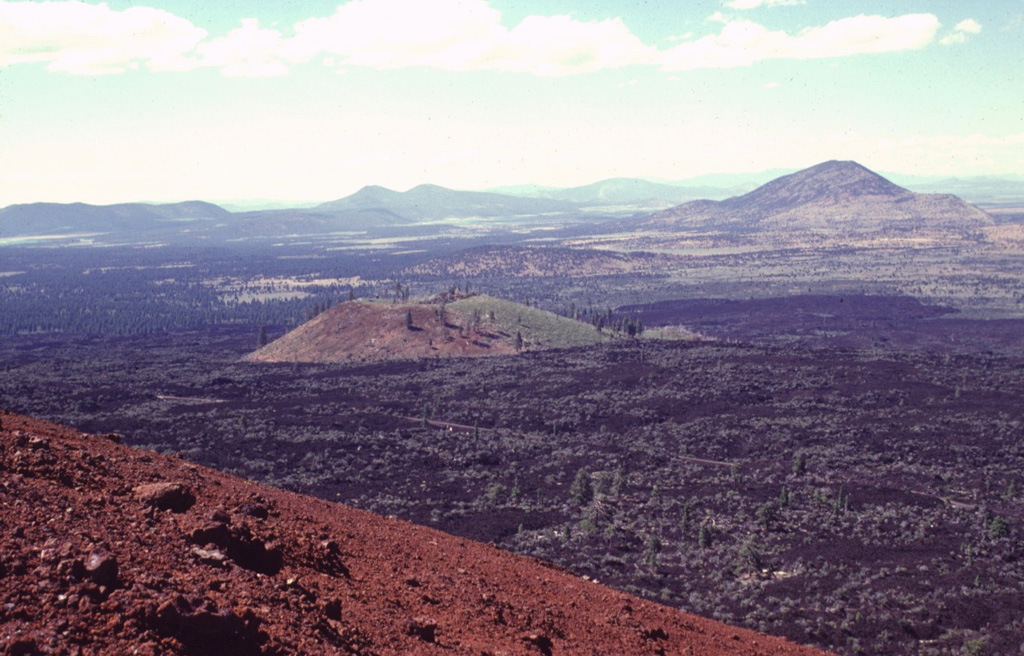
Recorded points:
(718, 181)
(167, 101)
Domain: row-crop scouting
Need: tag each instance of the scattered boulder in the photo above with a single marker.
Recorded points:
(37, 443)
(175, 497)
(213, 533)
(424, 628)
(654, 634)
(210, 556)
(543, 643)
(207, 630)
(326, 557)
(241, 546)
(332, 609)
(254, 510)
(101, 568)
(21, 647)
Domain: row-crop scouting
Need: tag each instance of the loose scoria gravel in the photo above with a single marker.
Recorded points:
(110, 550)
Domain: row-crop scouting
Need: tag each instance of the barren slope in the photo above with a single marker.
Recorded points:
(109, 550)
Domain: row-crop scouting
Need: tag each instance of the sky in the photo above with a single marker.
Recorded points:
(234, 100)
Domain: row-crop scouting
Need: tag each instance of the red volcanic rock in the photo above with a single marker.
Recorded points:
(85, 568)
(166, 496)
(101, 567)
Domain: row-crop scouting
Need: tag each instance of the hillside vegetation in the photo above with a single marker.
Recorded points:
(539, 329)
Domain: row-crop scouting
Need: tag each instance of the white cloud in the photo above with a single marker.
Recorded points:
(78, 38)
(963, 30)
(465, 35)
(754, 4)
(456, 35)
(248, 51)
(743, 42)
(391, 33)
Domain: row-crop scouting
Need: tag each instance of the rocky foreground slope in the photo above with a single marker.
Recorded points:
(110, 550)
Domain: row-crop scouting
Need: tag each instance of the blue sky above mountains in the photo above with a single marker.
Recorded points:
(166, 100)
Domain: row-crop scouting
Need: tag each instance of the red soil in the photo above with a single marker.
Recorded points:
(110, 550)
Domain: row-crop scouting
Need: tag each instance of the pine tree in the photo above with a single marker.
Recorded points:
(581, 491)
(799, 463)
(653, 549)
(704, 536)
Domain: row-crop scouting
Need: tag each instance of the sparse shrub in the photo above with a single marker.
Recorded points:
(974, 647)
(494, 492)
(998, 528)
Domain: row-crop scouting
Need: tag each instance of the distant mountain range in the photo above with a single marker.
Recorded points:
(59, 218)
(634, 192)
(720, 186)
(368, 209)
(832, 196)
(427, 202)
(989, 190)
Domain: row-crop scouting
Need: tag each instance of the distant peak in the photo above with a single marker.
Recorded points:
(839, 174)
(847, 165)
(429, 187)
(375, 189)
(834, 181)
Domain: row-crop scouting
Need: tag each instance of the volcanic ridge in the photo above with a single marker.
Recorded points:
(834, 198)
(451, 325)
(107, 549)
